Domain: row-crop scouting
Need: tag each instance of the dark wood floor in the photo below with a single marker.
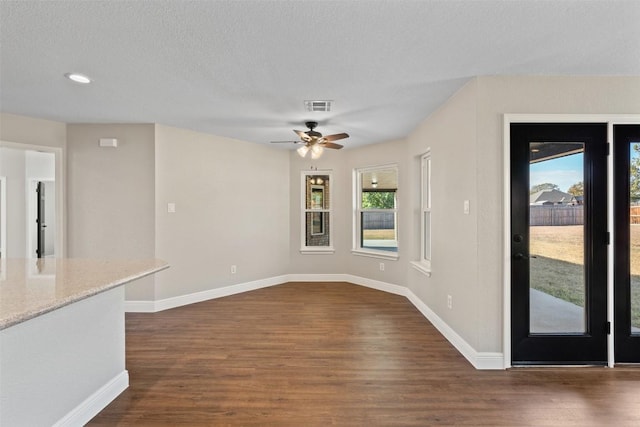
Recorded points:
(317, 354)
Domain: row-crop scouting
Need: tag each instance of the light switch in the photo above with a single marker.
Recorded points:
(466, 207)
(171, 207)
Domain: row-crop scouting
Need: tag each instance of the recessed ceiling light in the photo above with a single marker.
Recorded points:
(78, 78)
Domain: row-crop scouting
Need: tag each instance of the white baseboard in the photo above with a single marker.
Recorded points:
(480, 360)
(179, 301)
(95, 403)
(356, 280)
(317, 277)
(378, 285)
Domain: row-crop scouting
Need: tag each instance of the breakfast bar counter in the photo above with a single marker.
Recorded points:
(62, 355)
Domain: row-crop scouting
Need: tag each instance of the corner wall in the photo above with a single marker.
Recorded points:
(341, 164)
(466, 139)
(231, 208)
(111, 197)
(450, 133)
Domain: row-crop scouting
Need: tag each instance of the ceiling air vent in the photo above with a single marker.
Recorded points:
(318, 105)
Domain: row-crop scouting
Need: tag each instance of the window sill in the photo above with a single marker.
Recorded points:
(377, 254)
(325, 250)
(422, 267)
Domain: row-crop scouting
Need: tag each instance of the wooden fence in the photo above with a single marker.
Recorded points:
(634, 215)
(378, 221)
(568, 215)
(556, 215)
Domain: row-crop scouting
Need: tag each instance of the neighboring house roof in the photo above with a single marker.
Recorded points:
(550, 196)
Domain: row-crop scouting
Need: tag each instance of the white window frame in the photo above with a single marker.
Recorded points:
(357, 248)
(424, 263)
(326, 210)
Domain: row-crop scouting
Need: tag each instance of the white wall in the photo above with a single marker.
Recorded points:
(28, 130)
(466, 139)
(40, 165)
(232, 208)
(450, 133)
(111, 196)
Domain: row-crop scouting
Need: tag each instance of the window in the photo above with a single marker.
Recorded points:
(316, 213)
(424, 264)
(376, 219)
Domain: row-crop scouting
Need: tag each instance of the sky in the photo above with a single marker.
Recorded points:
(563, 171)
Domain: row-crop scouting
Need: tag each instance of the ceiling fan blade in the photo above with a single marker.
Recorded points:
(331, 145)
(336, 136)
(303, 135)
(285, 142)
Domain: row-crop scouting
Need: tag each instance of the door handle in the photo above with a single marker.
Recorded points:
(520, 256)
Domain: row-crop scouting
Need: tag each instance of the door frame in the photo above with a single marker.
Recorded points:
(610, 119)
(60, 184)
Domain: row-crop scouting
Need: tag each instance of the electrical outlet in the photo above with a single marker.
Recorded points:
(449, 302)
(233, 269)
(382, 266)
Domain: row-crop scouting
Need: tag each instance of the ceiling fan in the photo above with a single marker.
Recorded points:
(314, 141)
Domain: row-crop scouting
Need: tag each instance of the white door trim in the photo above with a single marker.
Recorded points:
(610, 119)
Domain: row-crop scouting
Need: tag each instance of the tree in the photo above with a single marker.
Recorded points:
(545, 186)
(634, 174)
(576, 189)
(378, 199)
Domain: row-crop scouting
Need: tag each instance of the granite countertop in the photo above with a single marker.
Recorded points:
(32, 287)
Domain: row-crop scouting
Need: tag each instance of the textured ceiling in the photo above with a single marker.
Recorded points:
(242, 69)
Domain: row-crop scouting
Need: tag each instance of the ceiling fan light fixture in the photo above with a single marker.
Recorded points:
(316, 151)
(315, 142)
(302, 151)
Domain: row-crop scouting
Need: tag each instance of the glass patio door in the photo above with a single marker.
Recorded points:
(558, 243)
(627, 243)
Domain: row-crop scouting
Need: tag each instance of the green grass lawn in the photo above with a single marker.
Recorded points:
(557, 265)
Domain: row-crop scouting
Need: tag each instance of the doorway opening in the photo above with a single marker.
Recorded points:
(24, 169)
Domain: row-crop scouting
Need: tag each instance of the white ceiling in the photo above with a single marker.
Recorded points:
(242, 69)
